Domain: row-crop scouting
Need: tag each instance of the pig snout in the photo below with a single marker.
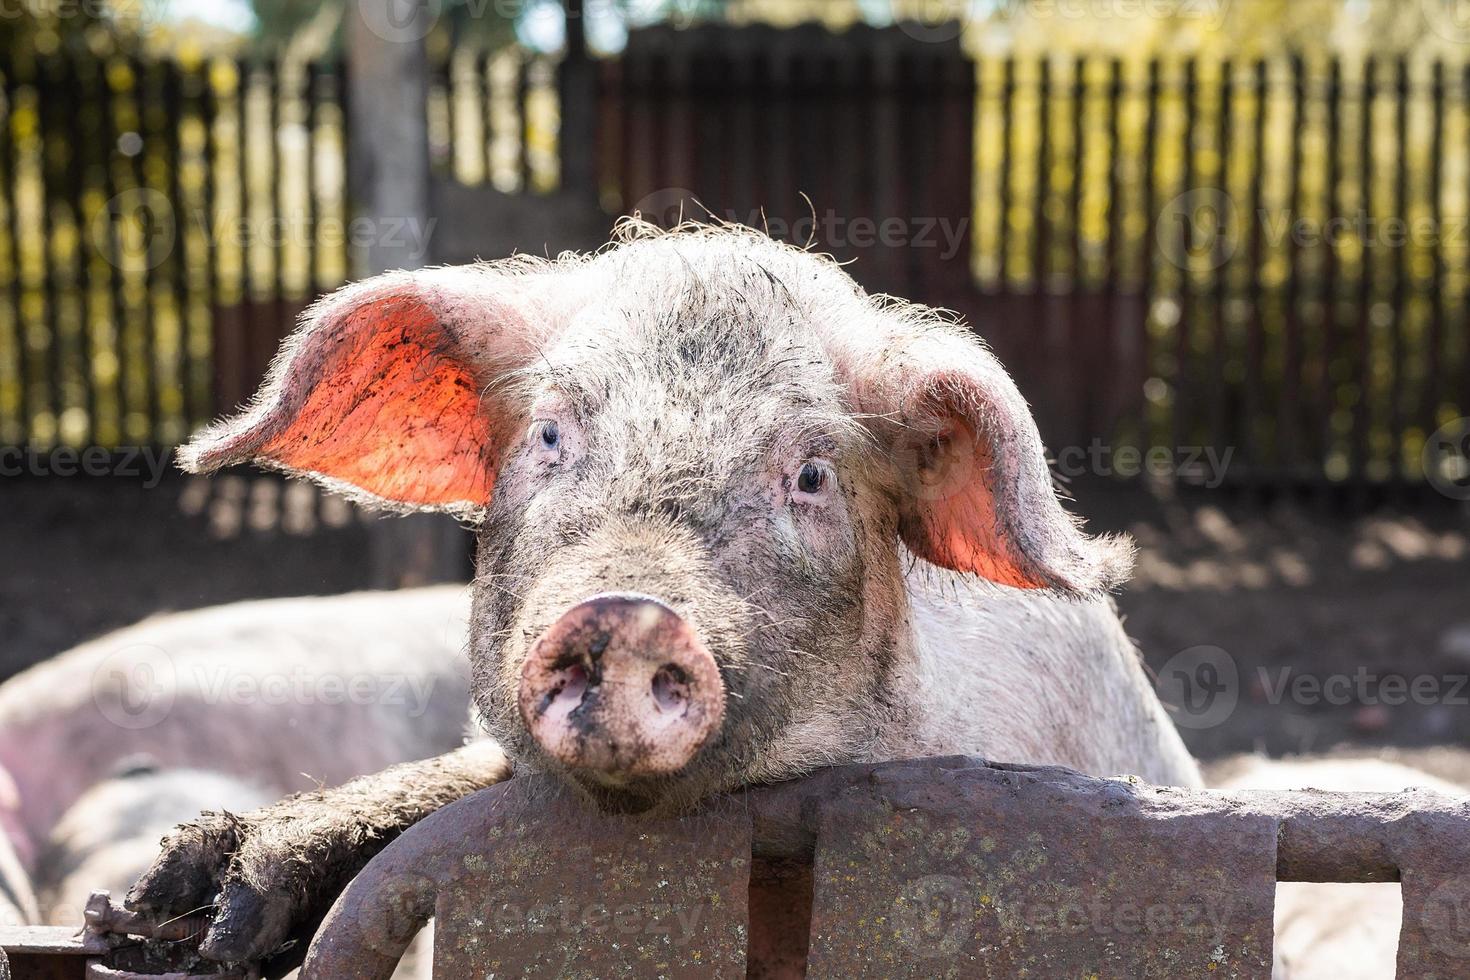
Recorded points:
(620, 686)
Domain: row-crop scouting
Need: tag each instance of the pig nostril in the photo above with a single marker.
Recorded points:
(670, 688)
(569, 689)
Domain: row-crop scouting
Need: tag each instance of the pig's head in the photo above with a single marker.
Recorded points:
(701, 465)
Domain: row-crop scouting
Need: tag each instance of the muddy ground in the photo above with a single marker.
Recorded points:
(1279, 628)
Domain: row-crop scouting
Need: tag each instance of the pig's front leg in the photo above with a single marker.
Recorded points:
(270, 875)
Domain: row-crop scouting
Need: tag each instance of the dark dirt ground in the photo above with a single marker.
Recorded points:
(1277, 588)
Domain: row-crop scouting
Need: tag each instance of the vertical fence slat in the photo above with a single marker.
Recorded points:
(1003, 195)
(1433, 354)
(1461, 379)
(1032, 354)
(1327, 397)
(1118, 376)
(1183, 386)
(114, 348)
(1362, 351)
(1077, 348)
(1149, 247)
(49, 359)
(20, 425)
(1252, 395)
(1288, 442)
(208, 298)
(1399, 342)
(80, 144)
(1219, 433)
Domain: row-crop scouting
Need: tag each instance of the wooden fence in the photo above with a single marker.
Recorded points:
(1267, 257)
(161, 225)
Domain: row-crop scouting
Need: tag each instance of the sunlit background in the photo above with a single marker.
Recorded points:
(1228, 225)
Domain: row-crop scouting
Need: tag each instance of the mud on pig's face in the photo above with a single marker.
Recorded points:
(699, 463)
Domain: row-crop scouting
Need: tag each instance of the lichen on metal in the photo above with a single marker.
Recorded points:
(936, 867)
(525, 881)
(972, 872)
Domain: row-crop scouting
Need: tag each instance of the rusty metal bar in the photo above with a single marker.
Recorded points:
(912, 868)
(47, 953)
(1323, 836)
(521, 838)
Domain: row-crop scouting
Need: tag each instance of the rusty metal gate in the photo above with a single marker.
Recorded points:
(943, 867)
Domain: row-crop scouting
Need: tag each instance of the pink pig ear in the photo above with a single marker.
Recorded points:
(382, 391)
(978, 493)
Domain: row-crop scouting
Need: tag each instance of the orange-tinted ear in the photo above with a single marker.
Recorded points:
(977, 493)
(381, 392)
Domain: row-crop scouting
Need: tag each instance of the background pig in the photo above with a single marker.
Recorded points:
(110, 834)
(111, 743)
(17, 899)
(713, 479)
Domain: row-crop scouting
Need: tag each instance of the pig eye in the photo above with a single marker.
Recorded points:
(546, 439)
(814, 478)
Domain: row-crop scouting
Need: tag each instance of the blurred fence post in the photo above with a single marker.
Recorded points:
(388, 175)
(577, 83)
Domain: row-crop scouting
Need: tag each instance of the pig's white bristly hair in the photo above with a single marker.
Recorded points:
(901, 360)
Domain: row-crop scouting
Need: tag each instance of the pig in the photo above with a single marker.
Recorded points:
(18, 904)
(110, 834)
(270, 697)
(736, 520)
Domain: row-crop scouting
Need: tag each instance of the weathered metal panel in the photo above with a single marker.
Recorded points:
(981, 872)
(46, 953)
(1434, 938)
(580, 896)
(524, 881)
(936, 867)
(1432, 850)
